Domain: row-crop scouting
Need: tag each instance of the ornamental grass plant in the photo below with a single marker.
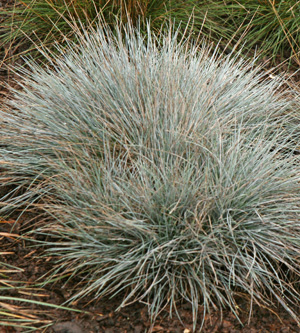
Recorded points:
(170, 174)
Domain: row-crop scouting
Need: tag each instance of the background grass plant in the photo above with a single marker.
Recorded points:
(269, 27)
(34, 23)
(170, 173)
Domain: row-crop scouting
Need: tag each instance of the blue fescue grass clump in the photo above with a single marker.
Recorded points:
(169, 172)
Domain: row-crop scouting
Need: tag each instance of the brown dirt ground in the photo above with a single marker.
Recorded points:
(100, 315)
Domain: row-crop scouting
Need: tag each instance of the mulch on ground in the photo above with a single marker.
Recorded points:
(100, 315)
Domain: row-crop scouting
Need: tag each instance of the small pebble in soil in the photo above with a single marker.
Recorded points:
(67, 327)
